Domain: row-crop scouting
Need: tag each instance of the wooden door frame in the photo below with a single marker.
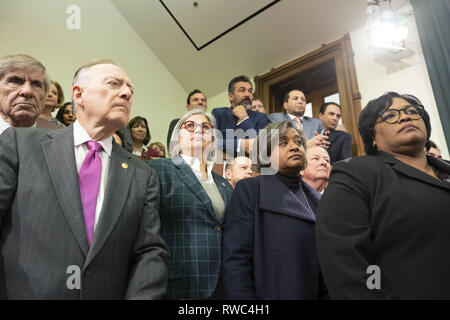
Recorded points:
(342, 53)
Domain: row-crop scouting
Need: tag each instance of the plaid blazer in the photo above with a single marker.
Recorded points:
(190, 229)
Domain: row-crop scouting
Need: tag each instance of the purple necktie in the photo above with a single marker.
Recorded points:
(89, 179)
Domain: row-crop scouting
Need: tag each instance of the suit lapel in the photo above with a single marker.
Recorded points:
(59, 156)
(276, 197)
(221, 185)
(121, 172)
(414, 173)
(187, 176)
(332, 136)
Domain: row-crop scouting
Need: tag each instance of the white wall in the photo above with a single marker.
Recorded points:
(38, 28)
(378, 72)
(406, 72)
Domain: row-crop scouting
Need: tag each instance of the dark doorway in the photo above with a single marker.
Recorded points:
(324, 72)
(317, 83)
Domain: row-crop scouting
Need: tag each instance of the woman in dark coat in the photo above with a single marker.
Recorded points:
(383, 224)
(269, 241)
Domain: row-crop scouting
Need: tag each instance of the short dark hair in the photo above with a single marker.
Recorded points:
(286, 95)
(263, 143)
(235, 80)
(60, 114)
(323, 107)
(140, 120)
(370, 114)
(192, 93)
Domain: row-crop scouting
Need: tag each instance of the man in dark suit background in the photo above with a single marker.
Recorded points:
(77, 212)
(24, 84)
(294, 103)
(340, 142)
(196, 99)
(239, 116)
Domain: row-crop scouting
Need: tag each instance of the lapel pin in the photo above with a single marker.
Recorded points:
(124, 165)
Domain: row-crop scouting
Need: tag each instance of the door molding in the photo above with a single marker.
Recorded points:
(341, 52)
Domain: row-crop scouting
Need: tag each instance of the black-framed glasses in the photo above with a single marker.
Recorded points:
(392, 116)
(191, 125)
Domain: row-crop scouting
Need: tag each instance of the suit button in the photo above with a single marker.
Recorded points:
(217, 228)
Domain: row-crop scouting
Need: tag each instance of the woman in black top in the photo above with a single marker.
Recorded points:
(269, 243)
(383, 224)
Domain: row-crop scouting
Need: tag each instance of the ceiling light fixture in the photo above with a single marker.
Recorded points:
(385, 26)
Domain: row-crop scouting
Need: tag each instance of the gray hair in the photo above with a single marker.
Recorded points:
(81, 72)
(23, 62)
(174, 145)
(265, 143)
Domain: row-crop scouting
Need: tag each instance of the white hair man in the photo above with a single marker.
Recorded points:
(79, 208)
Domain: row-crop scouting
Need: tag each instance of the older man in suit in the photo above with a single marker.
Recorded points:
(238, 124)
(77, 212)
(24, 84)
(340, 142)
(294, 103)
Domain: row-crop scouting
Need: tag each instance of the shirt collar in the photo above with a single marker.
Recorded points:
(5, 125)
(81, 136)
(293, 117)
(194, 163)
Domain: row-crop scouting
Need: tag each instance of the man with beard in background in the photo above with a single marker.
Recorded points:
(239, 116)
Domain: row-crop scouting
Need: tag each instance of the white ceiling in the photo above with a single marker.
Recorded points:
(286, 30)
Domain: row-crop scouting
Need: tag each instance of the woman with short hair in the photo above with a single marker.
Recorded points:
(383, 222)
(192, 204)
(269, 243)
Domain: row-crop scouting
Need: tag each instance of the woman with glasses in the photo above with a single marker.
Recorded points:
(191, 203)
(383, 224)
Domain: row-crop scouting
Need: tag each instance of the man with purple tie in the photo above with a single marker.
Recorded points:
(77, 212)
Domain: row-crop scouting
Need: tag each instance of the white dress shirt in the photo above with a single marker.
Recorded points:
(3, 125)
(293, 117)
(80, 136)
(194, 163)
(139, 152)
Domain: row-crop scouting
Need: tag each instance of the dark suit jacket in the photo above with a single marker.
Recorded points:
(269, 244)
(340, 145)
(379, 211)
(190, 228)
(226, 120)
(42, 229)
(169, 133)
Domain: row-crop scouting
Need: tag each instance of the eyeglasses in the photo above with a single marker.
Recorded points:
(191, 125)
(392, 116)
